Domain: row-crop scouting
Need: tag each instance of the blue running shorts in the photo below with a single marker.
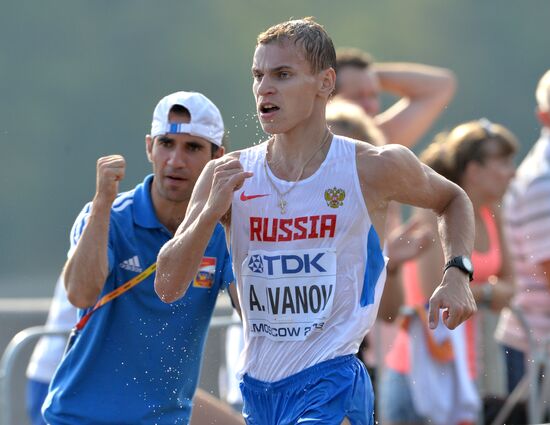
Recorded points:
(322, 394)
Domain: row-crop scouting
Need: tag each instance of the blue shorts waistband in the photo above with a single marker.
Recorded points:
(298, 379)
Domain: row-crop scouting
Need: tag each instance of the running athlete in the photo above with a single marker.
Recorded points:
(306, 213)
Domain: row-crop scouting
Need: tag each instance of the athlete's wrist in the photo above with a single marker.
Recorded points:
(209, 217)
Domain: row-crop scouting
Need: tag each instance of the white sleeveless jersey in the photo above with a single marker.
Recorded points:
(309, 280)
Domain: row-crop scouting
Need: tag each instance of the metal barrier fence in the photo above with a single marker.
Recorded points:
(531, 387)
(535, 384)
(25, 337)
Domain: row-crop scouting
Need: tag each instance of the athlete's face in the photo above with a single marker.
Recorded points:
(284, 87)
(360, 86)
(178, 160)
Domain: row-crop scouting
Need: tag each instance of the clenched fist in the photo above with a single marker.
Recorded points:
(110, 170)
(228, 177)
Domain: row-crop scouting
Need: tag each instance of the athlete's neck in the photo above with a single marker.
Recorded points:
(288, 153)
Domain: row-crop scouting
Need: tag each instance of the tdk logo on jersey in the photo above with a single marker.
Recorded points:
(286, 264)
(256, 264)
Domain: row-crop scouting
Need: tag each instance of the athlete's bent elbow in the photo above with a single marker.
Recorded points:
(167, 278)
(165, 295)
(162, 281)
(164, 284)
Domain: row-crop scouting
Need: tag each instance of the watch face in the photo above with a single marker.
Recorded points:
(467, 263)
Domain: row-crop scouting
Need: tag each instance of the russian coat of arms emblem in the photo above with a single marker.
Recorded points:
(335, 197)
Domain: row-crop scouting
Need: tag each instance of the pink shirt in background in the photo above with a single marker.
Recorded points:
(486, 264)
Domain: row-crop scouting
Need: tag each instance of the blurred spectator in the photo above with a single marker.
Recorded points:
(48, 352)
(137, 360)
(527, 219)
(478, 156)
(423, 92)
(346, 118)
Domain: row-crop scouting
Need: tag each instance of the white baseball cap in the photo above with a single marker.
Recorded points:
(206, 119)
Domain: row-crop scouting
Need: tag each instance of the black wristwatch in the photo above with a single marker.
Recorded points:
(463, 263)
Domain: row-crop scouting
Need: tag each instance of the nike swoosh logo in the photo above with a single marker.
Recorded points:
(245, 198)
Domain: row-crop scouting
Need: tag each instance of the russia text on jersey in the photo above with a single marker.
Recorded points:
(266, 229)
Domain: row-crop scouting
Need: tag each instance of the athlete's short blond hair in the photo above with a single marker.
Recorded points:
(309, 35)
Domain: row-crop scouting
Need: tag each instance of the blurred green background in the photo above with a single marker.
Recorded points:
(80, 79)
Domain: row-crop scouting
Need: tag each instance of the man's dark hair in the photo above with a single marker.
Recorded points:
(353, 58)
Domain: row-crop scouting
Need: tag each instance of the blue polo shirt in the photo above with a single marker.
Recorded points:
(137, 360)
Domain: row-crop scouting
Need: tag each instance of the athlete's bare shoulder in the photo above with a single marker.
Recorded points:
(382, 159)
(387, 169)
(365, 150)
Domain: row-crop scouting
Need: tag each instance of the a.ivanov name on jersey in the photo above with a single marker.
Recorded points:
(296, 299)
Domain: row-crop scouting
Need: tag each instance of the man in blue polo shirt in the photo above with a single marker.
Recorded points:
(137, 360)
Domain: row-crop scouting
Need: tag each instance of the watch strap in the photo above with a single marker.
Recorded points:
(456, 262)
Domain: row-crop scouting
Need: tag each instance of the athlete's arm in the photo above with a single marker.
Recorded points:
(394, 173)
(429, 262)
(87, 268)
(424, 90)
(179, 259)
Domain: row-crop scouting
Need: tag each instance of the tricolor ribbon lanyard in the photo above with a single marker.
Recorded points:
(105, 299)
